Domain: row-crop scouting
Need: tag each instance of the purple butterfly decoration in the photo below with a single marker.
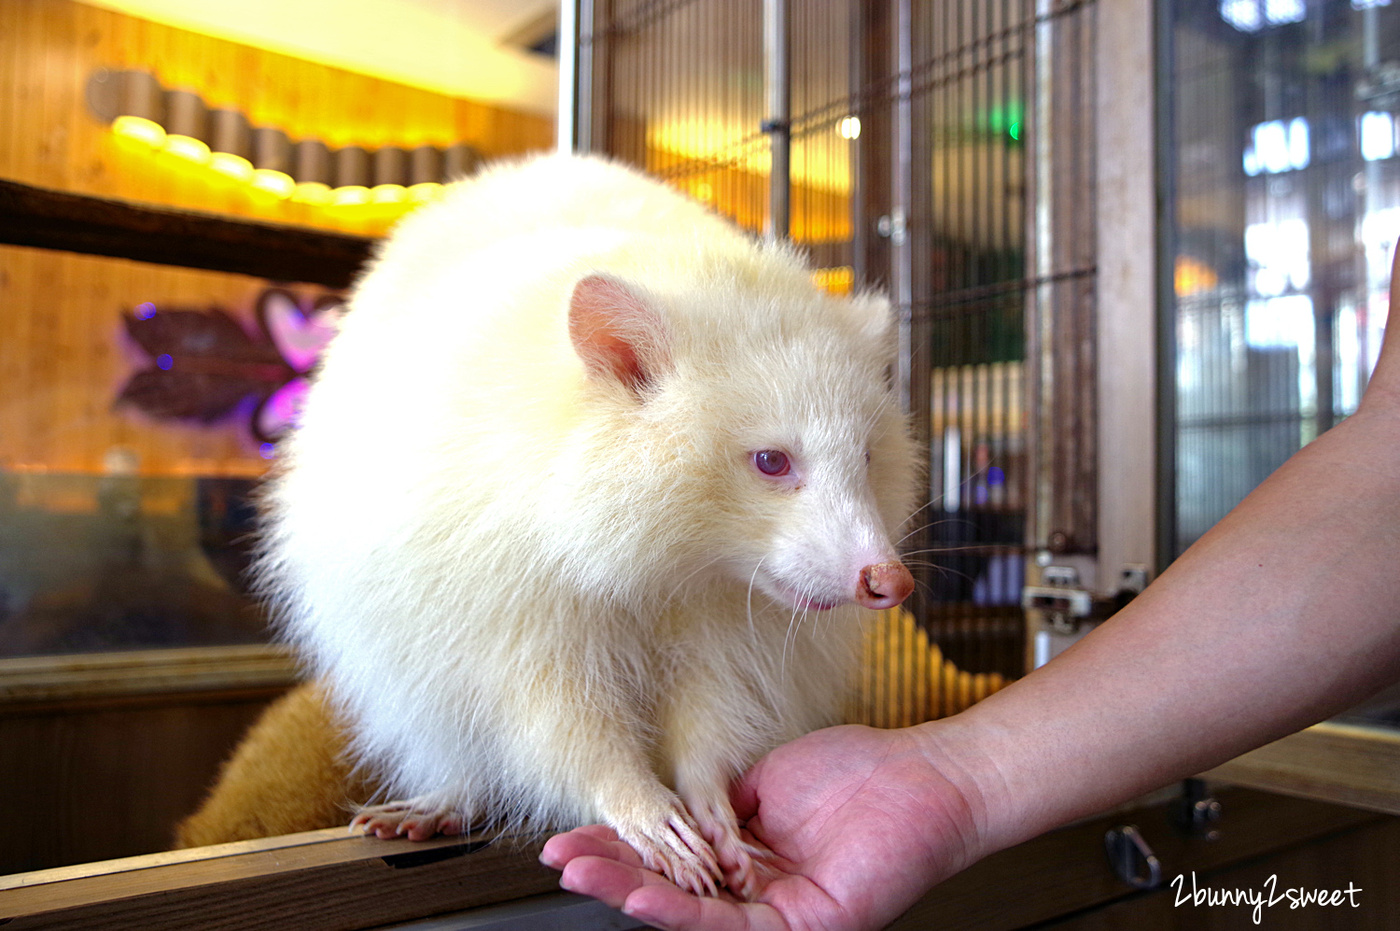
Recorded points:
(205, 366)
(300, 336)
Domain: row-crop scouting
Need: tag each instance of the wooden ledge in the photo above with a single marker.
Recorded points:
(318, 881)
(47, 219)
(28, 681)
(1350, 764)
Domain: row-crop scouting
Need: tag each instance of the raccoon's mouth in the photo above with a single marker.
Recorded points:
(802, 602)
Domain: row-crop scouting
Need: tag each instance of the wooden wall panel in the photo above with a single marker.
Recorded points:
(49, 48)
(106, 782)
(62, 360)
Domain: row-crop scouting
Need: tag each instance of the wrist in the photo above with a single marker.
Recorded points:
(963, 750)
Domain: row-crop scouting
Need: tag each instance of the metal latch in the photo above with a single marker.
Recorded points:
(1059, 598)
(1196, 812)
(1131, 858)
(892, 226)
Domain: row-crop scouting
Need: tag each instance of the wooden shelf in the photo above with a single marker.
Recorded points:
(1348, 764)
(30, 681)
(328, 881)
(47, 219)
(318, 881)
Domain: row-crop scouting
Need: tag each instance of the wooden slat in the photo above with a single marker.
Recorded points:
(26, 681)
(321, 882)
(1344, 763)
(306, 882)
(49, 48)
(32, 216)
(89, 781)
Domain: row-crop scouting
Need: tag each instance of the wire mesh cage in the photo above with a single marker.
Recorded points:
(906, 146)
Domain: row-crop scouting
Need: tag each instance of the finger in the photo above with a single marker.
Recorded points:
(595, 840)
(664, 906)
(607, 879)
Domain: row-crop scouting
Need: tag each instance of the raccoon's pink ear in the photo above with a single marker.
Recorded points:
(616, 334)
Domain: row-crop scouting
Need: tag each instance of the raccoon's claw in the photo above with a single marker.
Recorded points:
(678, 851)
(747, 868)
(416, 819)
(743, 864)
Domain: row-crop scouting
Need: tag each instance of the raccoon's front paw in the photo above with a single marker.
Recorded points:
(743, 864)
(416, 818)
(676, 848)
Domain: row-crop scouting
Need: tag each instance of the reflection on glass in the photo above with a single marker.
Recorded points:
(1286, 214)
(121, 562)
(127, 525)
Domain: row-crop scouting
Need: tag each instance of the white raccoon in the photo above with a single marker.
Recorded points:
(585, 501)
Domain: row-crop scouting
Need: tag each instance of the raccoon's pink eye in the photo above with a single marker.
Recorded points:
(771, 462)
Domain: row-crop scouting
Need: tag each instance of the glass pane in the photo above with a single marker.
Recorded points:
(1285, 218)
(127, 448)
(140, 405)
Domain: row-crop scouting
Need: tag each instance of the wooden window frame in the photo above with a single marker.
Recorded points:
(327, 880)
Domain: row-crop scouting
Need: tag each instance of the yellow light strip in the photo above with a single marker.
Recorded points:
(277, 183)
(150, 136)
(188, 148)
(139, 130)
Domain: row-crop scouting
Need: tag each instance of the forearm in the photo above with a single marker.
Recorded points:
(1286, 612)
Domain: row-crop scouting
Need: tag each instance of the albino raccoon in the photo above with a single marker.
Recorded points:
(582, 508)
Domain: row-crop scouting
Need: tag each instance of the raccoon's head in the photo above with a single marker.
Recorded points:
(787, 465)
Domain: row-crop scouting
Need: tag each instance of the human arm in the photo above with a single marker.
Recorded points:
(1286, 612)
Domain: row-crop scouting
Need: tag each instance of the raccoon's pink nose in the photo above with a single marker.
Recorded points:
(884, 585)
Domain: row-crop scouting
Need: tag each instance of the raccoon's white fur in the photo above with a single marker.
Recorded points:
(521, 532)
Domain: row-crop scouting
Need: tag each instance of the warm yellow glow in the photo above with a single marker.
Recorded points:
(312, 192)
(188, 148)
(140, 130)
(277, 183)
(1193, 276)
(388, 194)
(821, 163)
(440, 46)
(234, 166)
(849, 127)
(384, 201)
(838, 280)
(424, 192)
(351, 195)
(705, 191)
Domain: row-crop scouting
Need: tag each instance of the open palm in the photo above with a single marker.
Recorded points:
(838, 808)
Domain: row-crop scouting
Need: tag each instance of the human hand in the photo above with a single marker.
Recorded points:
(860, 822)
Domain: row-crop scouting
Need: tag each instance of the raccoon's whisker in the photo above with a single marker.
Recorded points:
(914, 513)
(944, 522)
(753, 631)
(944, 570)
(951, 548)
(799, 614)
(692, 574)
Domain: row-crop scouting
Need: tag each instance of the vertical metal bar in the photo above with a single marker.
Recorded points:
(902, 259)
(595, 104)
(778, 126)
(1040, 383)
(580, 17)
(910, 259)
(870, 196)
(566, 126)
(1167, 420)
